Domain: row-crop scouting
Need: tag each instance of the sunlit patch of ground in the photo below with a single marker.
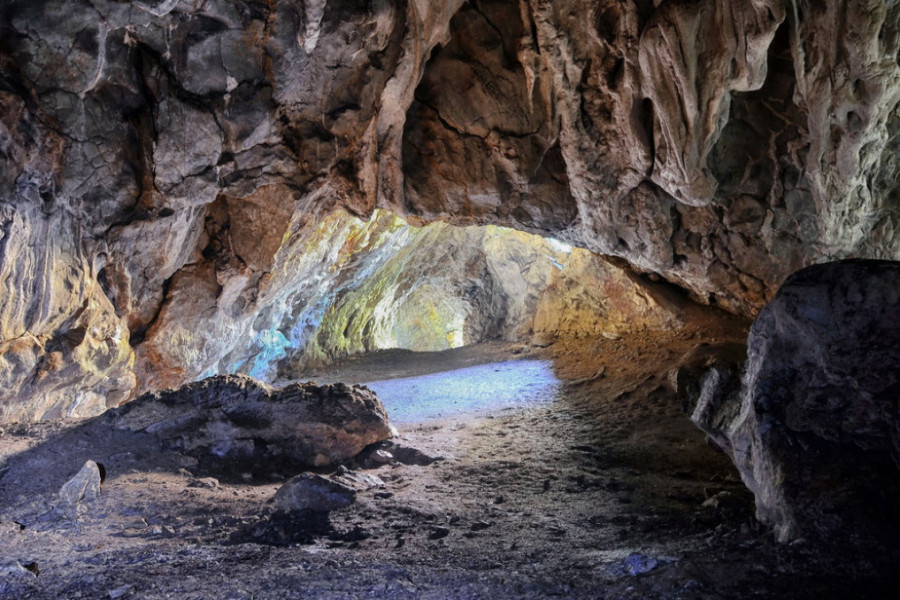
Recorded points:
(477, 390)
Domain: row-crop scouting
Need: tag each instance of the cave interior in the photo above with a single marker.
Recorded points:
(449, 299)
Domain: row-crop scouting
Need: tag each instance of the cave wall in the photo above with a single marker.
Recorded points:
(161, 159)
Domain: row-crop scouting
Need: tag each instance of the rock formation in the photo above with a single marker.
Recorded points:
(234, 424)
(164, 160)
(309, 491)
(814, 428)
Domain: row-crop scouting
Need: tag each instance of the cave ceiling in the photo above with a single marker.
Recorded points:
(164, 161)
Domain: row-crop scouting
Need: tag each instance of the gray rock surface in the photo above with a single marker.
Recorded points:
(83, 488)
(234, 424)
(814, 428)
(311, 492)
(163, 160)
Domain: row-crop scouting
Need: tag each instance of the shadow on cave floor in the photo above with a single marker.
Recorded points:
(607, 492)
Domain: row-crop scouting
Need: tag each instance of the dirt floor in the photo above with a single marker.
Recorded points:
(607, 492)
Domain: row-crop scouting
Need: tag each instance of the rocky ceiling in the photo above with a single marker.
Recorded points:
(163, 160)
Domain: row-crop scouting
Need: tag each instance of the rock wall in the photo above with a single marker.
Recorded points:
(350, 286)
(440, 287)
(813, 424)
(161, 157)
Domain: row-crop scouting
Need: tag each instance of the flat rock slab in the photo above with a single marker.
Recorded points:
(236, 424)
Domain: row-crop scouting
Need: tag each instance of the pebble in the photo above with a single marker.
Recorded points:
(119, 592)
(382, 457)
(210, 483)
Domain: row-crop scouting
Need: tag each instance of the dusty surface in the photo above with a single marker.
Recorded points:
(562, 500)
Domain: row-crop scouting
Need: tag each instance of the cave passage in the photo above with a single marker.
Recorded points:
(481, 389)
(362, 287)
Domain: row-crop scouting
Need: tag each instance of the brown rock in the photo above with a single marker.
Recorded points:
(235, 424)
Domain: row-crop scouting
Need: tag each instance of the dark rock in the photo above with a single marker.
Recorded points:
(438, 532)
(816, 436)
(285, 528)
(708, 383)
(412, 456)
(310, 492)
(235, 424)
(384, 452)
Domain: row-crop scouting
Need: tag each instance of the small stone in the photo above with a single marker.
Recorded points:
(479, 525)
(119, 592)
(84, 487)
(382, 457)
(636, 564)
(438, 532)
(313, 492)
(358, 481)
(163, 530)
(718, 500)
(210, 483)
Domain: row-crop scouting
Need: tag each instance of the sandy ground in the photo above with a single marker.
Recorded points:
(608, 491)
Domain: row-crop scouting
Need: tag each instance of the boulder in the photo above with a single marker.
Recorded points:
(814, 427)
(235, 424)
(311, 492)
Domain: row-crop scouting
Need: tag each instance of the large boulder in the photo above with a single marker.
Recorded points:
(815, 428)
(234, 423)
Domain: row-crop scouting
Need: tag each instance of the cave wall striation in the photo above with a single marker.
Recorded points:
(164, 161)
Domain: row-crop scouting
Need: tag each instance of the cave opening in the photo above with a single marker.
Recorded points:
(365, 286)
(389, 304)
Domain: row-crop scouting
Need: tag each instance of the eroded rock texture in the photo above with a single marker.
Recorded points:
(814, 428)
(163, 159)
(440, 287)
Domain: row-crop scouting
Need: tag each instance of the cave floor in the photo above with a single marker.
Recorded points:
(607, 492)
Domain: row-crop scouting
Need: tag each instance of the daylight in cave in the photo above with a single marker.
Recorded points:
(449, 299)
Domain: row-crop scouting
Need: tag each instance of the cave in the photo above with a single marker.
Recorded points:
(449, 299)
